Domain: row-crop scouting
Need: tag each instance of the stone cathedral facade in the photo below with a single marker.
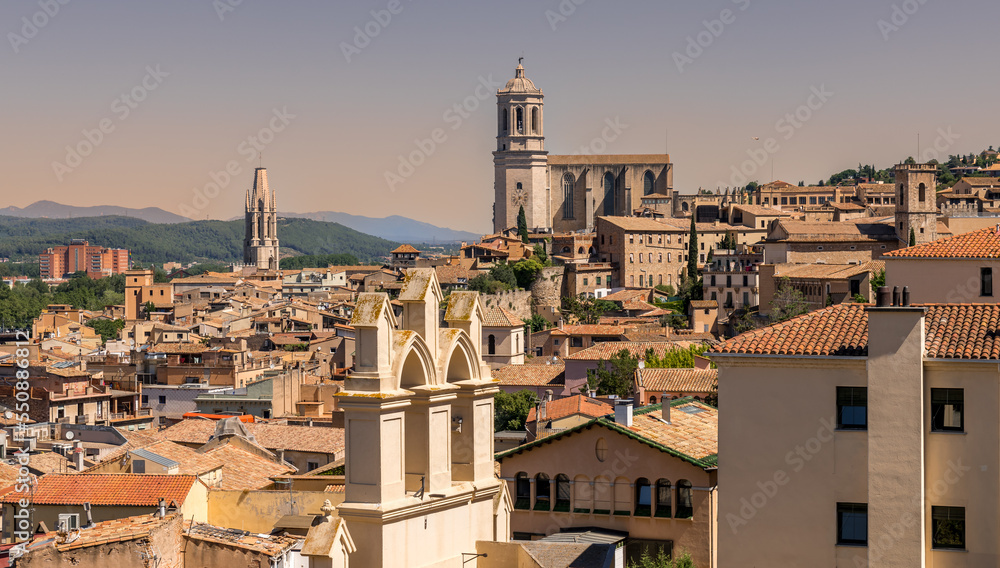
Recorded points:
(565, 193)
(260, 248)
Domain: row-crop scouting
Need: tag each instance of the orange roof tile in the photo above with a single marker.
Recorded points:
(951, 331)
(530, 375)
(317, 439)
(608, 349)
(405, 249)
(982, 243)
(571, 406)
(677, 380)
(499, 317)
(133, 490)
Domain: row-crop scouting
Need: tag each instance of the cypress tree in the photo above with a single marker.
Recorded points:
(913, 238)
(522, 225)
(692, 268)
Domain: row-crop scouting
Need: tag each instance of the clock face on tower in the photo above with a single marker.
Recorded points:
(519, 196)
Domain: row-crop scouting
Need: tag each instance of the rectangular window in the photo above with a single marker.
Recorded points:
(985, 281)
(584, 281)
(598, 280)
(162, 399)
(576, 341)
(145, 399)
(784, 201)
(852, 523)
(852, 408)
(948, 527)
(947, 410)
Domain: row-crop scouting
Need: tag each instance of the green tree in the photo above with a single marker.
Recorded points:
(525, 271)
(147, 309)
(107, 328)
(614, 376)
(878, 279)
(661, 560)
(788, 302)
(536, 323)
(502, 272)
(522, 225)
(541, 255)
(692, 265)
(913, 237)
(511, 410)
(586, 310)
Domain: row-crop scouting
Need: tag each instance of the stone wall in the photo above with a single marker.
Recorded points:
(517, 302)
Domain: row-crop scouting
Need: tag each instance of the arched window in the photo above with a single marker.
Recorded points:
(631, 257)
(684, 507)
(505, 119)
(562, 494)
(609, 194)
(519, 120)
(643, 498)
(648, 181)
(579, 250)
(517, 343)
(565, 249)
(535, 125)
(519, 186)
(652, 400)
(583, 495)
(492, 344)
(659, 257)
(602, 496)
(623, 497)
(923, 192)
(684, 206)
(543, 492)
(568, 197)
(650, 257)
(663, 498)
(522, 488)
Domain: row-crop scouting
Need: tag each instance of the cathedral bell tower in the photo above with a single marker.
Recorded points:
(916, 202)
(260, 248)
(520, 158)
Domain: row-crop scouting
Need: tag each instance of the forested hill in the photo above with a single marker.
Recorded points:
(203, 241)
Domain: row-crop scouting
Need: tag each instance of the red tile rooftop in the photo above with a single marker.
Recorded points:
(132, 490)
(983, 243)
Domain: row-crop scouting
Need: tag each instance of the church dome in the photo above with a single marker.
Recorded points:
(520, 83)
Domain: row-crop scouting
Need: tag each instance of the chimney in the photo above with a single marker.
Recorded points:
(78, 459)
(90, 517)
(665, 401)
(548, 395)
(542, 411)
(623, 412)
(896, 424)
(161, 509)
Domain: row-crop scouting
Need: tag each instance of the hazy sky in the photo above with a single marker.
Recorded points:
(334, 111)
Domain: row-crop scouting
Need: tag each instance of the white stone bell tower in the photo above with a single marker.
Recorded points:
(520, 158)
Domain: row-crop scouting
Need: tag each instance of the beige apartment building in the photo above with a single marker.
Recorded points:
(954, 270)
(871, 462)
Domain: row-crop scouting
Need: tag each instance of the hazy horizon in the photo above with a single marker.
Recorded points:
(831, 84)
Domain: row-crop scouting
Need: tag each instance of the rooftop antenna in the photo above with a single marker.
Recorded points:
(918, 148)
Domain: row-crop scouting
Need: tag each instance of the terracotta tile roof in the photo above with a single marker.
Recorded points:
(609, 159)
(608, 349)
(623, 295)
(316, 439)
(245, 470)
(405, 249)
(177, 348)
(845, 231)
(271, 545)
(530, 375)
(704, 304)
(676, 380)
(951, 331)
(640, 224)
(761, 211)
(104, 532)
(980, 181)
(571, 406)
(826, 271)
(982, 243)
(499, 317)
(589, 329)
(131, 490)
(49, 462)
(692, 435)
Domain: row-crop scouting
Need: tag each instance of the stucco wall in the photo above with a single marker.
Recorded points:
(257, 511)
(942, 280)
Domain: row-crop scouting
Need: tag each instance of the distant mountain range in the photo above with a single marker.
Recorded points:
(53, 210)
(394, 228)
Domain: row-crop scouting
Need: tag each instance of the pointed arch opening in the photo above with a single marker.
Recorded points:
(568, 196)
(648, 182)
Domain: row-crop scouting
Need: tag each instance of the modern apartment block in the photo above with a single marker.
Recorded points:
(873, 464)
(81, 256)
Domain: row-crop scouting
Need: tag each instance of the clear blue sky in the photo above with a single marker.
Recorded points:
(221, 80)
